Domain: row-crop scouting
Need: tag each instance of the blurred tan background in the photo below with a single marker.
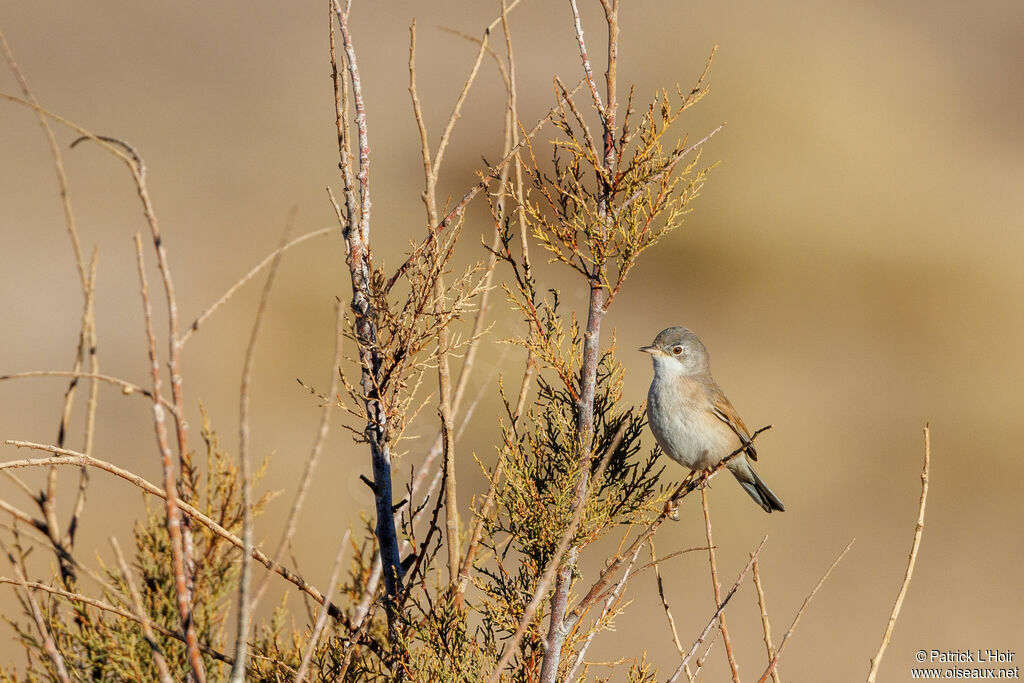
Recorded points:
(854, 266)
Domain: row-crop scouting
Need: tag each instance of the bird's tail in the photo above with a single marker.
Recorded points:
(755, 486)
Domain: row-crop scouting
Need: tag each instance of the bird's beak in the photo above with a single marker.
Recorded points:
(649, 349)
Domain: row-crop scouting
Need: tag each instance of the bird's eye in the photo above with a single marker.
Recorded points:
(677, 350)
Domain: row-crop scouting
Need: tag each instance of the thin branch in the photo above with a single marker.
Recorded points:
(58, 163)
(431, 168)
(321, 620)
(314, 456)
(549, 572)
(49, 647)
(733, 666)
(140, 615)
(121, 154)
(70, 457)
(664, 600)
(613, 599)
(585, 58)
(785, 639)
(245, 606)
(173, 514)
(127, 388)
(703, 659)
(765, 624)
(718, 613)
(99, 604)
(89, 335)
(918, 530)
(187, 334)
(456, 212)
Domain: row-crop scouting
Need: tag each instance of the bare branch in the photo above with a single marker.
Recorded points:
(49, 647)
(733, 667)
(70, 457)
(245, 606)
(314, 456)
(718, 613)
(321, 620)
(140, 615)
(187, 334)
(918, 530)
(796, 619)
(585, 58)
(765, 624)
(173, 514)
(664, 600)
(99, 604)
(127, 388)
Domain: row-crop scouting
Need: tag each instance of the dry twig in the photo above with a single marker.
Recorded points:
(785, 639)
(718, 613)
(765, 624)
(141, 616)
(173, 516)
(918, 530)
(321, 620)
(245, 603)
(733, 666)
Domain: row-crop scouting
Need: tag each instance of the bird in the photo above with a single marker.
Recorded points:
(691, 418)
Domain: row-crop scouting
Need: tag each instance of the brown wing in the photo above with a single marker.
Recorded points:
(725, 412)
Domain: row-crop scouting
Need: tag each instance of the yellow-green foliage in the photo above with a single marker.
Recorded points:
(103, 647)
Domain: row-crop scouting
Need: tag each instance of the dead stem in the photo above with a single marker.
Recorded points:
(918, 530)
(796, 619)
(733, 667)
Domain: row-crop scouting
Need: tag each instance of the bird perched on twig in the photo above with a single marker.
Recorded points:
(693, 421)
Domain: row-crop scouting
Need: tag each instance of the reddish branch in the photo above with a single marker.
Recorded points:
(173, 517)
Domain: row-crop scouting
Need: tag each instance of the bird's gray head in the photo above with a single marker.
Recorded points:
(677, 350)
